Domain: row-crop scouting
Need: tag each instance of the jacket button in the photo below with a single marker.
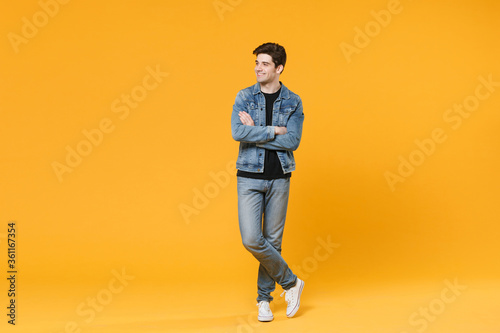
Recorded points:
(258, 169)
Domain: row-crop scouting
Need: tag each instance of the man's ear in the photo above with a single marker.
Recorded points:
(279, 69)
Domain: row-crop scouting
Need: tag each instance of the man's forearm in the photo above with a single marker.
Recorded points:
(253, 134)
(281, 142)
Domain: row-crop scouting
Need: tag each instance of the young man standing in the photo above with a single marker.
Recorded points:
(267, 121)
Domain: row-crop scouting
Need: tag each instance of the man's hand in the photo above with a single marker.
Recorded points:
(278, 130)
(245, 118)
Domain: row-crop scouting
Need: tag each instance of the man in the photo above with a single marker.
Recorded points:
(267, 121)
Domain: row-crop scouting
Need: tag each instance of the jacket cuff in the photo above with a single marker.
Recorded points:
(270, 133)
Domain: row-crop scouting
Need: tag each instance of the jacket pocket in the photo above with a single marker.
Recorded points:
(284, 115)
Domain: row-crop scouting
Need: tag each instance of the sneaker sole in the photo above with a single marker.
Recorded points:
(265, 319)
(294, 311)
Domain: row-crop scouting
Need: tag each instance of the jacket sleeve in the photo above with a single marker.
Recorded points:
(290, 140)
(246, 133)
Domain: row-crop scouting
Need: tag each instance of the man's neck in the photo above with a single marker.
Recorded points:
(270, 88)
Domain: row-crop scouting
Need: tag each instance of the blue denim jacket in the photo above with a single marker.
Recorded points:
(287, 111)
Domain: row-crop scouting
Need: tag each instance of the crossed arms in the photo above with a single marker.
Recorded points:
(268, 137)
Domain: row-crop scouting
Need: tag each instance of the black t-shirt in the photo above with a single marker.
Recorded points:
(272, 164)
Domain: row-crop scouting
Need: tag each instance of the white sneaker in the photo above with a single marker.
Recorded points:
(265, 313)
(292, 298)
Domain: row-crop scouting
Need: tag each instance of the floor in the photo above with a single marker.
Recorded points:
(448, 306)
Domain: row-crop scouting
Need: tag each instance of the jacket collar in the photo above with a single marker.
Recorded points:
(285, 93)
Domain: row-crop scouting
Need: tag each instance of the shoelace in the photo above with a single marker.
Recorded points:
(264, 306)
(288, 295)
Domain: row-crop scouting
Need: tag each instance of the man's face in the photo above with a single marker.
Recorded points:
(265, 69)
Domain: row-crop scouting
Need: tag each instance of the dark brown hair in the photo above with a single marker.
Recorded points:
(276, 51)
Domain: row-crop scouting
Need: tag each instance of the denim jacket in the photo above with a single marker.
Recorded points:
(287, 111)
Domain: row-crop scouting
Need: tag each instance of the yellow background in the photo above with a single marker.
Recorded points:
(121, 208)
